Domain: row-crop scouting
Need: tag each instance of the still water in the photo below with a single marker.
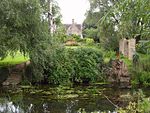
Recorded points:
(59, 100)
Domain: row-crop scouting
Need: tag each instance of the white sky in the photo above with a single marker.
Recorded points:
(73, 9)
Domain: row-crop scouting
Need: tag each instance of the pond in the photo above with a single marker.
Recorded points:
(44, 99)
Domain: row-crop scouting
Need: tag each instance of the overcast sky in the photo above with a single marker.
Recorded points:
(73, 9)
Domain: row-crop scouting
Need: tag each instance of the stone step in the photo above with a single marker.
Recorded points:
(16, 73)
(124, 79)
(13, 79)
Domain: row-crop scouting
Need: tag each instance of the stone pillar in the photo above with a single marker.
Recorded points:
(121, 46)
(132, 43)
(127, 47)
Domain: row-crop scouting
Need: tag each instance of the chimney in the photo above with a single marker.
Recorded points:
(73, 21)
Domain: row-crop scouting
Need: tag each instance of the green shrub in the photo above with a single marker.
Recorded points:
(73, 37)
(141, 71)
(141, 78)
(143, 47)
(78, 65)
(87, 64)
(76, 37)
(145, 62)
(60, 68)
(89, 41)
(109, 55)
(138, 104)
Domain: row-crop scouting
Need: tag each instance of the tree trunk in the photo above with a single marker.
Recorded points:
(50, 16)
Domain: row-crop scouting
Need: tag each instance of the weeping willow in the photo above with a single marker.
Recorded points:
(130, 18)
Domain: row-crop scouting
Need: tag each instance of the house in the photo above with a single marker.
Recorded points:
(74, 28)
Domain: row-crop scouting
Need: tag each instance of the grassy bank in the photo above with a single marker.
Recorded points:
(17, 59)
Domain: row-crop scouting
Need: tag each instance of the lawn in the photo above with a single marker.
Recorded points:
(17, 59)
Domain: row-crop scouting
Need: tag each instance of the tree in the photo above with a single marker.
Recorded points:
(90, 28)
(104, 34)
(121, 19)
(51, 12)
(22, 29)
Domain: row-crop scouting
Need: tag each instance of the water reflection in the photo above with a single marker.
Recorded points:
(9, 107)
(23, 102)
(53, 106)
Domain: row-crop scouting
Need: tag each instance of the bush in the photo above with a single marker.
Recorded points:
(110, 54)
(78, 65)
(138, 104)
(87, 64)
(141, 71)
(86, 41)
(141, 78)
(89, 41)
(76, 37)
(144, 47)
(60, 68)
(92, 33)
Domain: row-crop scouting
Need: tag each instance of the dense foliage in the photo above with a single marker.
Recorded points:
(20, 25)
(141, 71)
(115, 19)
(90, 26)
(143, 47)
(141, 64)
(24, 28)
(138, 104)
(75, 65)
